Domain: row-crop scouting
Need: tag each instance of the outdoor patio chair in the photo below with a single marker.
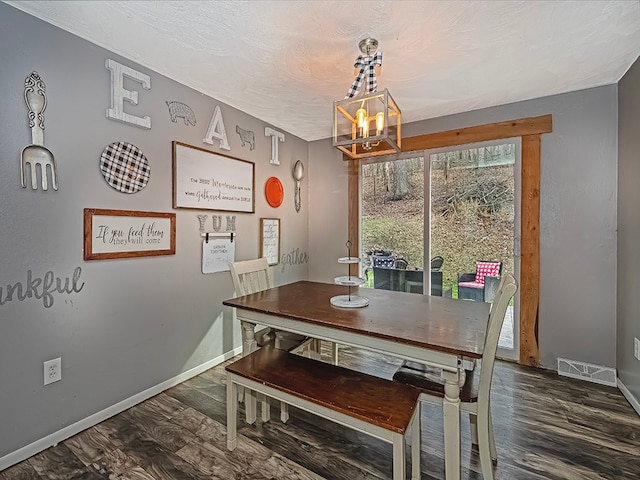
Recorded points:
(401, 264)
(384, 261)
(482, 285)
(436, 263)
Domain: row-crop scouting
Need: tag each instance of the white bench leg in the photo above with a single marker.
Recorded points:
(284, 412)
(249, 345)
(266, 408)
(399, 461)
(250, 406)
(416, 429)
(232, 414)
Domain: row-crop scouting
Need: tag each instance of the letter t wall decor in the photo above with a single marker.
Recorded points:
(276, 138)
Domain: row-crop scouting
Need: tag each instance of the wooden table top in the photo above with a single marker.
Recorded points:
(436, 323)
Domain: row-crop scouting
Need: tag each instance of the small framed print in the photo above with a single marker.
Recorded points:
(270, 239)
(125, 233)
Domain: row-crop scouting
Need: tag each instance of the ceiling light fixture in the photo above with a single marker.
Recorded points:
(366, 123)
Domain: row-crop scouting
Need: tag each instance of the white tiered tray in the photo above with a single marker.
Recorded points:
(349, 260)
(349, 280)
(349, 301)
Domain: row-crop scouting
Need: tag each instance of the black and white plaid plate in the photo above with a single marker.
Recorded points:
(125, 167)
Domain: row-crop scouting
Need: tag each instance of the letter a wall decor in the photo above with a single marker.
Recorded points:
(216, 130)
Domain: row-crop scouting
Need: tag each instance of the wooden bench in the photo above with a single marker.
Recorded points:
(379, 407)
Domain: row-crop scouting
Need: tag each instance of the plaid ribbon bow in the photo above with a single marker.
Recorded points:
(367, 66)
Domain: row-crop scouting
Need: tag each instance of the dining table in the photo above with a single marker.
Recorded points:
(437, 331)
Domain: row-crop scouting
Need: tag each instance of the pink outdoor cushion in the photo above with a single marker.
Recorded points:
(477, 285)
(486, 268)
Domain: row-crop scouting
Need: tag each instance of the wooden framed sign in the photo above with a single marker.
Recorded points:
(270, 239)
(206, 180)
(126, 233)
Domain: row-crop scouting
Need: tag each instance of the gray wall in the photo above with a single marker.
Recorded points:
(136, 322)
(578, 217)
(629, 228)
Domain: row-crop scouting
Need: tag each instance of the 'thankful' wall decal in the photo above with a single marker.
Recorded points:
(42, 288)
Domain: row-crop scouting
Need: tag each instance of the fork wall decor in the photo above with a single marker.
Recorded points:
(37, 153)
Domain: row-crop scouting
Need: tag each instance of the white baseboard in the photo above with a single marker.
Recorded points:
(88, 422)
(629, 396)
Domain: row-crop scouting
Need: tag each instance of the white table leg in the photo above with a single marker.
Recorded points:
(249, 345)
(451, 412)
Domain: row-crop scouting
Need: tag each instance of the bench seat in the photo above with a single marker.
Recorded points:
(382, 408)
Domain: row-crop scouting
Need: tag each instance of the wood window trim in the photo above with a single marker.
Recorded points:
(530, 130)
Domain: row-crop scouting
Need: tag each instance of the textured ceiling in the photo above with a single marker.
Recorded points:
(285, 62)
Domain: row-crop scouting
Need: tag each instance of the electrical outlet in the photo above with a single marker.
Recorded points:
(636, 348)
(52, 370)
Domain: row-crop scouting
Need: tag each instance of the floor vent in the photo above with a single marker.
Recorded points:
(587, 371)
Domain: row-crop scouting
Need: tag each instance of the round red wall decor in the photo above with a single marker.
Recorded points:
(274, 191)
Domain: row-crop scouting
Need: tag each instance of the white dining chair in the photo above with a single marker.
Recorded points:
(475, 394)
(250, 276)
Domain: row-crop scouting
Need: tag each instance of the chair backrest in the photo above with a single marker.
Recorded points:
(483, 269)
(384, 261)
(250, 276)
(401, 264)
(436, 263)
(506, 290)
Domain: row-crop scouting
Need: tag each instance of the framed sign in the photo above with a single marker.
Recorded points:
(125, 234)
(270, 239)
(206, 180)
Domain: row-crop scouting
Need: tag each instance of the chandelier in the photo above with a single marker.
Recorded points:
(366, 122)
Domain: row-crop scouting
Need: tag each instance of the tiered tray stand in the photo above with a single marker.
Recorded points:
(349, 300)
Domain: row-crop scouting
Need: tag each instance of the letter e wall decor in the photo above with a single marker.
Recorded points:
(119, 94)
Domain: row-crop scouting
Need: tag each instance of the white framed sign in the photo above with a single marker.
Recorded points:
(125, 233)
(270, 239)
(206, 180)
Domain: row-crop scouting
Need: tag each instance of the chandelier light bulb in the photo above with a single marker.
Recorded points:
(379, 122)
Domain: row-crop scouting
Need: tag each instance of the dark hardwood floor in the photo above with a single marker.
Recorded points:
(547, 427)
